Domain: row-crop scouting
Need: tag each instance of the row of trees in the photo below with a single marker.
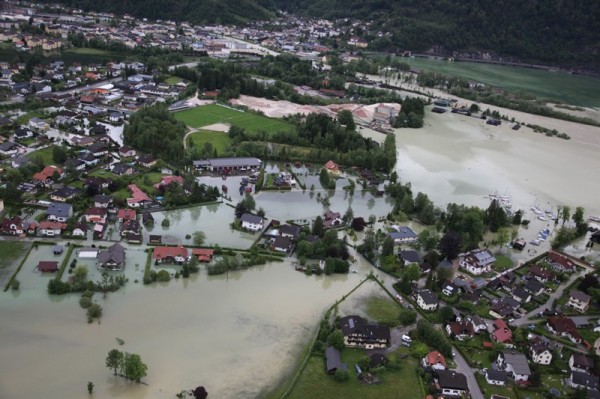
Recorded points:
(127, 365)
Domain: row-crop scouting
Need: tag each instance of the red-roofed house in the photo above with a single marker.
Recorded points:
(563, 326)
(332, 167)
(203, 254)
(45, 176)
(166, 180)
(540, 274)
(96, 215)
(138, 197)
(47, 266)
(560, 263)
(170, 254)
(48, 228)
(435, 360)
(126, 214)
(502, 334)
(460, 331)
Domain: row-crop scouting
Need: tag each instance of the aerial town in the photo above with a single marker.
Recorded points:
(270, 189)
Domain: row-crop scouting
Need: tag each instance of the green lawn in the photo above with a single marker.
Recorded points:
(24, 119)
(210, 114)
(171, 80)
(502, 263)
(219, 140)
(10, 251)
(488, 389)
(45, 154)
(315, 383)
(383, 311)
(562, 87)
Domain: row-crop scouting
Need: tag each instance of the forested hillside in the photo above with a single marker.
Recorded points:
(197, 11)
(534, 30)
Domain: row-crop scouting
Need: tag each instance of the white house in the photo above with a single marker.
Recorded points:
(495, 377)
(427, 300)
(514, 363)
(452, 383)
(579, 300)
(477, 262)
(540, 351)
(252, 222)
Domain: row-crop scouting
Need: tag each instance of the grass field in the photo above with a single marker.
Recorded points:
(45, 154)
(383, 311)
(10, 250)
(315, 383)
(210, 114)
(219, 140)
(562, 87)
(171, 80)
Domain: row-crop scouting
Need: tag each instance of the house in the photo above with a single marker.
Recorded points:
(496, 377)
(563, 326)
(48, 173)
(434, 361)
(410, 257)
(64, 194)
(130, 226)
(403, 235)
(534, 287)
(22, 133)
(290, 231)
(333, 360)
(38, 124)
(541, 274)
(477, 262)
(504, 307)
(112, 258)
(127, 152)
(451, 383)
(204, 255)
(332, 219)
(12, 226)
(579, 300)
(102, 201)
(579, 380)
(166, 180)
(59, 212)
(521, 295)
(47, 266)
(147, 161)
(176, 255)
(560, 263)
(332, 167)
(282, 244)
(51, 229)
(9, 148)
(99, 149)
(460, 330)
(95, 215)
(155, 239)
(502, 333)
(359, 333)
(252, 222)
(540, 352)
(228, 165)
(134, 238)
(427, 300)
(147, 218)
(138, 197)
(97, 183)
(478, 324)
(581, 363)
(99, 230)
(449, 289)
(514, 363)
(121, 169)
(79, 230)
(126, 214)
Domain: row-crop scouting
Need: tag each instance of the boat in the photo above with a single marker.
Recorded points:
(543, 218)
(535, 242)
(595, 218)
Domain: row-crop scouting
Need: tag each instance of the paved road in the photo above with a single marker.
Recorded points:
(463, 367)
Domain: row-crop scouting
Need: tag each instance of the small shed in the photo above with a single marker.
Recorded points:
(47, 266)
(87, 253)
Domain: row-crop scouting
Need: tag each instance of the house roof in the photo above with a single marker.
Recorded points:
(282, 242)
(435, 357)
(563, 324)
(428, 297)
(494, 375)
(289, 229)
(410, 256)
(59, 210)
(585, 379)
(533, 285)
(47, 266)
(102, 199)
(582, 361)
(556, 258)
(334, 359)
(518, 361)
(452, 380)
(521, 293)
(538, 345)
(169, 252)
(403, 232)
(580, 296)
(137, 195)
(66, 192)
(250, 218)
(114, 254)
(356, 324)
(462, 328)
(502, 332)
(94, 211)
(49, 225)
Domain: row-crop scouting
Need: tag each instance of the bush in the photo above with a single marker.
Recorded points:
(15, 284)
(407, 317)
(94, 312)
(341, 375)
(163, 275)
(85, 302)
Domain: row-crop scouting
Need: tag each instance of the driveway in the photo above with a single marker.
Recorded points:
(463, 367)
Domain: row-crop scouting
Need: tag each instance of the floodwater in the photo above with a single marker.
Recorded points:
(237, 335)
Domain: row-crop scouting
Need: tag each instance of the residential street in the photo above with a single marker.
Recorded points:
(463, 367)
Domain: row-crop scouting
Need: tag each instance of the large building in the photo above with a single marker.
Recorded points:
(357, 332)
(223, 165)
(478, 261)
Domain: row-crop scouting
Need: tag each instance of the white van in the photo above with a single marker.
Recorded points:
(406, 338)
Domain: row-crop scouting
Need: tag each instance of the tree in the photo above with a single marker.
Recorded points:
(443, 274)
(318, 229)
(199, 238)
(566, 214)
(94, 312)
(428, 239)
(345, 118)
(90, 387)
(200, 393)
(412, 273)
(495, 216)
(348, 216)
(387, 247)
(474, 108)
(80, 274)
(59, 154)
(336, 339)
(358, 224)
(341, 375)
(446, 313)
(503, 236)
(578, 216)
(450, 245)
(419, 350)
(134, 368)
(407, 317)
(114, 360)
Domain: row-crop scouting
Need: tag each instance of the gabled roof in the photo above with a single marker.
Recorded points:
(494, 375)
(250, 218)
(59, 210)
(452, 380)
(582, 361)
(580, 296)
(428, 297)
(114, 254)
(518, 361)
(435, 357)
(410, 256)
(169, 252)
(403, 232)
(587, 380)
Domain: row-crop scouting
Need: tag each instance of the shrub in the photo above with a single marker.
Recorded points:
(407, 317)
(341, 375)
(85, 302)
(163, 275)
(94, 312)
(15, 284)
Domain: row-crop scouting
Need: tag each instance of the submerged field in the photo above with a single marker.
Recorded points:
(562, 87)
(210, 114)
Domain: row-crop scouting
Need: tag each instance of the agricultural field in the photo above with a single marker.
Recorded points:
(211, 114)
(565, 88)
(219, 140)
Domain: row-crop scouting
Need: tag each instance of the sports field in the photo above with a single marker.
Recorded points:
(210, 114)
(566, 88)
(219, 140)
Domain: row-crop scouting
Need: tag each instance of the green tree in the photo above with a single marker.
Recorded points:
(199, 237)
(412, 273)
(114, 360)
(318, 229)
(345, 118)
(566, 214)
(90, 387)
(419, 350)
(446, 313)
(407, 317)
(336, 339)
(59, 154)
(503, 236)
(80, 274)
(94, 312)
(578, 217)
(387, 247)
(133, 367)
(428, 239)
